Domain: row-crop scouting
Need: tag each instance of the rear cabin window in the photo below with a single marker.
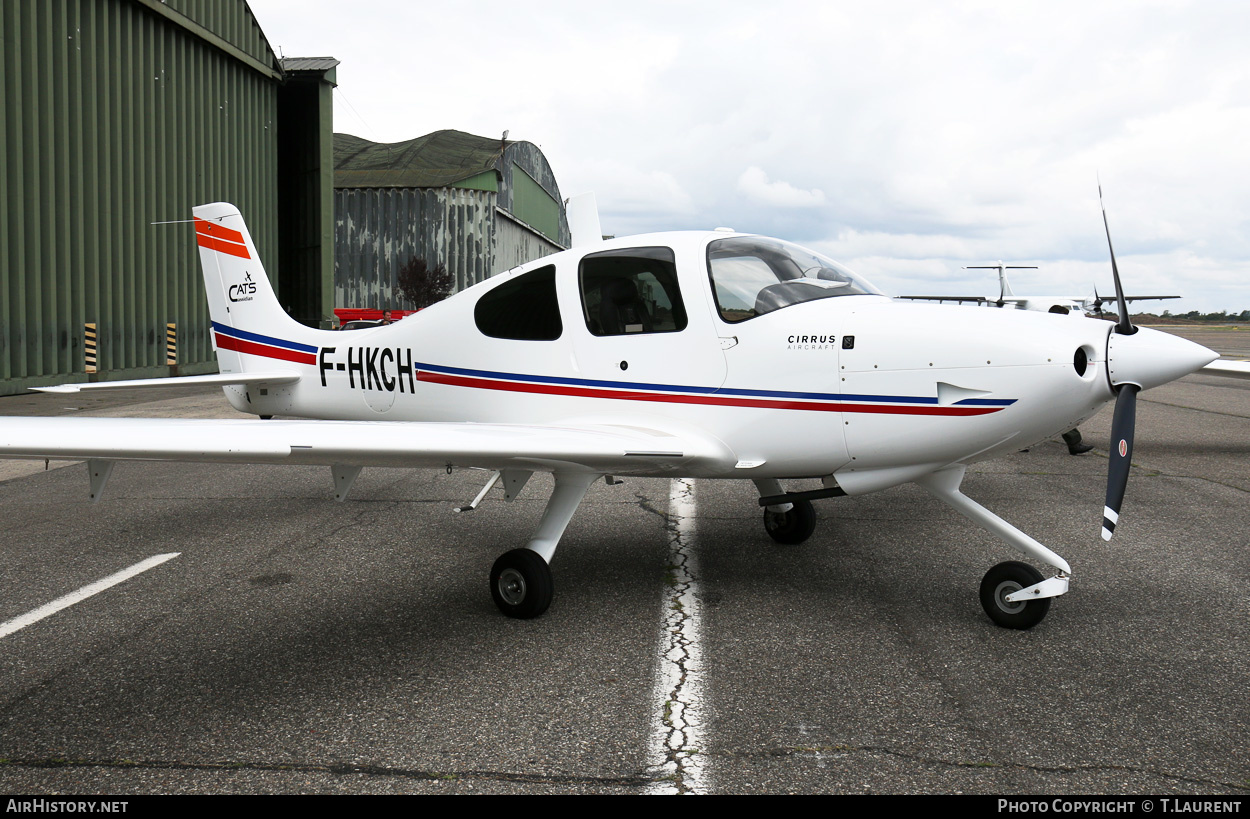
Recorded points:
(634, 291)
(524, 309)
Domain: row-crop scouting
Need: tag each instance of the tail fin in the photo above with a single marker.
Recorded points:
(1004, 287)
(583, 216)
(247, 318)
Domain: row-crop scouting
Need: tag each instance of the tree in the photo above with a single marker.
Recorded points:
(422, 285)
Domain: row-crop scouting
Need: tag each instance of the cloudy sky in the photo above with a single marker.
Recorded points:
(905, 139)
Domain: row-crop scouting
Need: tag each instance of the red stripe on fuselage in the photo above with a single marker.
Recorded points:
(711, 400)
(252, 348)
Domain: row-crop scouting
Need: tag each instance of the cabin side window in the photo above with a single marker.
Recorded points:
(523, 309)
(634, 291)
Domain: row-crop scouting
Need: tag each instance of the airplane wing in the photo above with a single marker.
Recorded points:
(595, 448)
(978, 299)
(1236, 369)
(1000, 301)
(219, 379)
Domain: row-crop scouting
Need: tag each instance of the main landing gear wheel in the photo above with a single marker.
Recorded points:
(1007, 578)
(791, 527)
(520, 582)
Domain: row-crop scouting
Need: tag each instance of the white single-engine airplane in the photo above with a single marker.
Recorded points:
(700, 354)
(1045, 304)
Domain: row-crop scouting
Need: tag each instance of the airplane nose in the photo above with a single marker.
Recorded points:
(1149, 358)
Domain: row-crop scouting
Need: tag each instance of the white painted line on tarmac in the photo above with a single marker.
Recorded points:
(677, 727)
(19, 623)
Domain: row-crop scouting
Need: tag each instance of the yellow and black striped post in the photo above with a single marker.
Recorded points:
(89, 347)
(171, 344)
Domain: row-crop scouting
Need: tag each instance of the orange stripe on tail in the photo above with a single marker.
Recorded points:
(218, 231)
(222, 239)
(222, 247)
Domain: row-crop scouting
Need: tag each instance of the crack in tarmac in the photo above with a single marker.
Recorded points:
(334, 768)
(674, 781)
(677, 732)
(644, 504)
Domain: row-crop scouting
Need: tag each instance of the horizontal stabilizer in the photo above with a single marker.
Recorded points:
(217, 380)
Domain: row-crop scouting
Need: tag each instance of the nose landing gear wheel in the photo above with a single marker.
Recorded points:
(1004, 579)
(791, 527)
(520, 583)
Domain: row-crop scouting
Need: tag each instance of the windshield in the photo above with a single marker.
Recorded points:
(752, 276)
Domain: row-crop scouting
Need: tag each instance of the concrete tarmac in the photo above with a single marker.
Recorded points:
(298, 645)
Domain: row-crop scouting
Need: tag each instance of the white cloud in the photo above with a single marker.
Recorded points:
(756, 184)
(911, 134)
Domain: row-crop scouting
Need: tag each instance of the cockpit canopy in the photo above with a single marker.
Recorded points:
(752, 275)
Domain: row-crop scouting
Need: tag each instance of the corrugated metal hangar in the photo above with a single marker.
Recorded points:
(473, 204)
(121, 115)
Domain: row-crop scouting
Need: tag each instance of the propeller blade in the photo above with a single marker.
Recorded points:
(1123, 326)
(1122, 425)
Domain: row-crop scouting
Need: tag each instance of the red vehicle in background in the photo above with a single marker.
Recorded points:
(351, 318)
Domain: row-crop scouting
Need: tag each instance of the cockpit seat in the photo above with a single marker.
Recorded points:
(621, 310)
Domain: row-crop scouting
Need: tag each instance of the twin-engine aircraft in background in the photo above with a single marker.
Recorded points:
(1093, 303)
(700, 354)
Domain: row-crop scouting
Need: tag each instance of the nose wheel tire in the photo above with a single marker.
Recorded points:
(791, 527)
(1004, 579)
(521, 585)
